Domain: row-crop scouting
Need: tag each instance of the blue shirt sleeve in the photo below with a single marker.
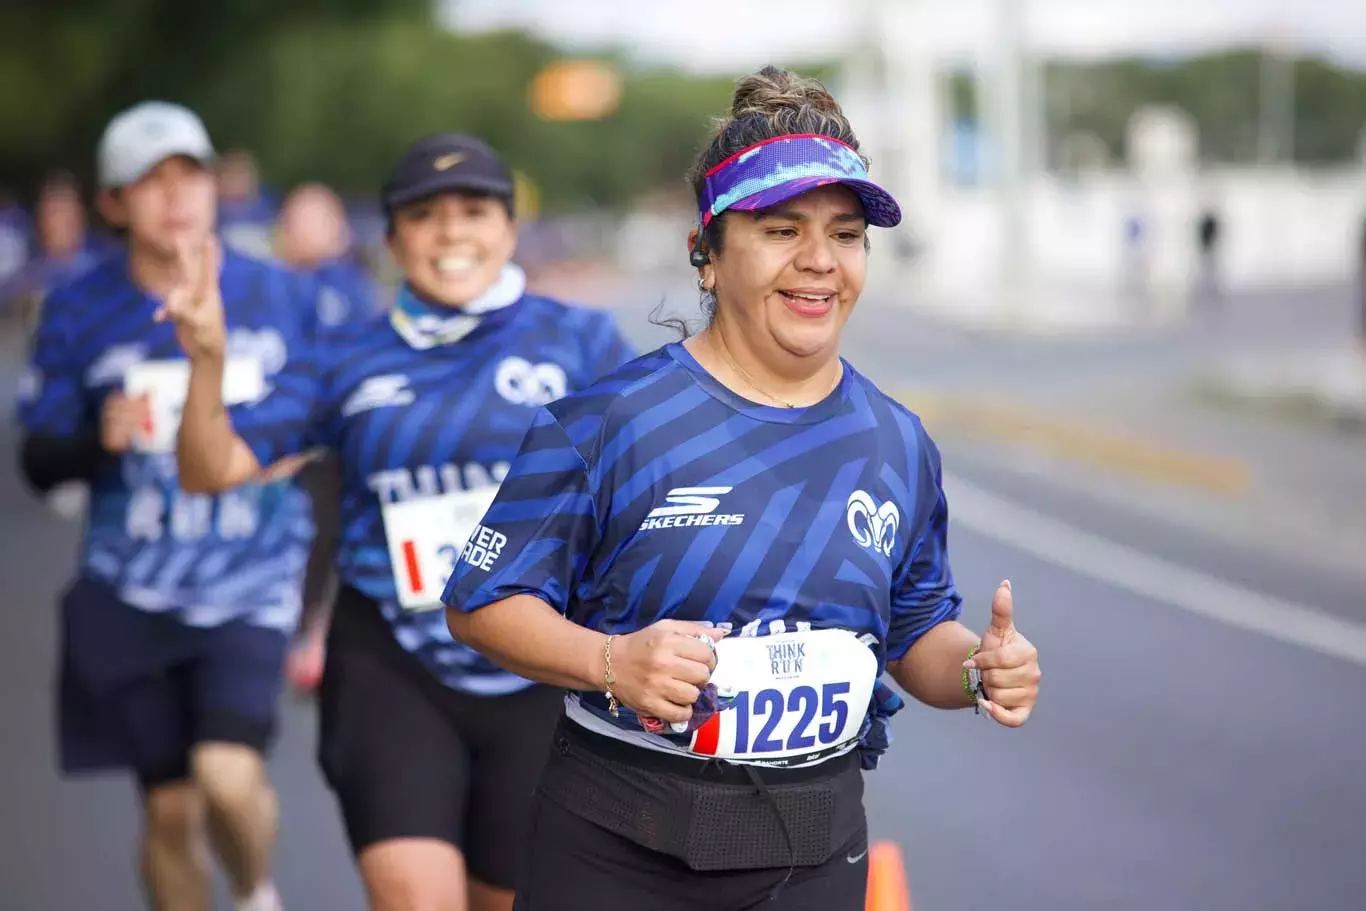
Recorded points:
(52, 395)
(537, 537)
(923, 593)
(290, 417)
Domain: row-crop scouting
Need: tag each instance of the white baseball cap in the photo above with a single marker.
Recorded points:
(142, 137)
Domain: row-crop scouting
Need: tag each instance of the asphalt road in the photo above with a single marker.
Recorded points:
(1176, 760)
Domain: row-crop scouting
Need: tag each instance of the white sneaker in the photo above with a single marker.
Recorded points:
(265, 898)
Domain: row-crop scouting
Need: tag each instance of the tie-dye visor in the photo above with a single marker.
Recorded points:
(776, 170)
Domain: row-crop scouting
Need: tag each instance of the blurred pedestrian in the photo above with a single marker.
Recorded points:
(312, 234)
(14, 244)
(1135, 264)
(245, 210)
(175, 628)
(1208, 237)
(62, 250)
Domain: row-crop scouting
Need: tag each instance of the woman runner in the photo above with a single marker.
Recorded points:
(718, 550)
(433, 751)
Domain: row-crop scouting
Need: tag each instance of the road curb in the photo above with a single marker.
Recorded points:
(1072, 439)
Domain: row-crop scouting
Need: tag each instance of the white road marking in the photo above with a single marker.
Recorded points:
(1081, 552)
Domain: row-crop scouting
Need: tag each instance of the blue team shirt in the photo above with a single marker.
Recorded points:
(203, 559)
(409, 423)
(659, 493)
(348, 293)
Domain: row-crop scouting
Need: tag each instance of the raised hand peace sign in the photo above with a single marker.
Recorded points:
(195, 304)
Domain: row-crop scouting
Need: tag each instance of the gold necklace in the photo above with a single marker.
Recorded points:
(744, 374)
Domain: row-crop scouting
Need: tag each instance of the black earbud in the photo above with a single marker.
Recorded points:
(698, 258)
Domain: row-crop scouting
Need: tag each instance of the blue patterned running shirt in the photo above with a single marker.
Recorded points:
(204, 559)
(659, 493)
(424, 436)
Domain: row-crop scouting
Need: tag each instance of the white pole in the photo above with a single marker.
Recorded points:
(1276, 139)
(1009, 128)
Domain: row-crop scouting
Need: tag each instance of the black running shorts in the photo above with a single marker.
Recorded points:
(411, 758)
(139, 690)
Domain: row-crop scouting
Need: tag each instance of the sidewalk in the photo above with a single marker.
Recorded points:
(1326, 383)
(1162, 452)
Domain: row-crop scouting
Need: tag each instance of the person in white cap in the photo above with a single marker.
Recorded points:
(175, 629)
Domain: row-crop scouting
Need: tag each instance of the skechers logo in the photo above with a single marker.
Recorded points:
(691, 507)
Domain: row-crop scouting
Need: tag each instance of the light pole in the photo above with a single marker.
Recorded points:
(1008, 124)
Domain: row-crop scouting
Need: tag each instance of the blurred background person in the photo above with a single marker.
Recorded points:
(1208, 234)
(245, 209)
(174, 629)
(314, 235)
(14, 229)
(61, 250)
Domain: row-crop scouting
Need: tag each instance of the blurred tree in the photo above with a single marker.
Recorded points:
(1222, 92)
(1330, 112)
(333, 89)
(68, 65)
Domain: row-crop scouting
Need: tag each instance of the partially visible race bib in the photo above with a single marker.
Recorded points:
(166, 383)
(426, 536)
(793, 695)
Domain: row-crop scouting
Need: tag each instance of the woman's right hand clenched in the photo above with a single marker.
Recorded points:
(661, 669)
(195, 304)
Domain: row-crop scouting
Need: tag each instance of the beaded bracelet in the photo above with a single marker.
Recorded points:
(972, 684)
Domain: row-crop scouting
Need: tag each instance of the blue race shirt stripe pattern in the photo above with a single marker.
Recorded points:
(659, 493)
(412, 423)
(204, 560)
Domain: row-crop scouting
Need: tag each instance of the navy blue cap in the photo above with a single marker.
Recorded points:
(446, 163)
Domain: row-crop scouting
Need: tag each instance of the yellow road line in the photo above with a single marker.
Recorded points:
(1071, 439)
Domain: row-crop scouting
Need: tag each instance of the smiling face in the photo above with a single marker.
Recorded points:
(451, 247)
(788, 277)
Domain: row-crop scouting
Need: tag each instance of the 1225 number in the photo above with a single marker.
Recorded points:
(766, 711)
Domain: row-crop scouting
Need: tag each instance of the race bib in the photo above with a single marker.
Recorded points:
(426, 536)
(165, 384)
(792, 695)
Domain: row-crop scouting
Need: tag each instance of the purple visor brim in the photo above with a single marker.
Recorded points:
(777, 170)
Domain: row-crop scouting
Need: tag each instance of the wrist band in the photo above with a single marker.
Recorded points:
(972, 682)
(609, 679)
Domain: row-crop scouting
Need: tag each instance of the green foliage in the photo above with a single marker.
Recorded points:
(332, 90)
(1222, 92)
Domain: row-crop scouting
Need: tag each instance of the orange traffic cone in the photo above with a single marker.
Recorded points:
(887, 890)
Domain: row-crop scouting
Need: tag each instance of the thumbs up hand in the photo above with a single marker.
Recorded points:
(1009, 664)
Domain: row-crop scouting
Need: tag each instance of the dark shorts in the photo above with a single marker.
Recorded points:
(572, 857)
(139, 690)
(411, 758)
